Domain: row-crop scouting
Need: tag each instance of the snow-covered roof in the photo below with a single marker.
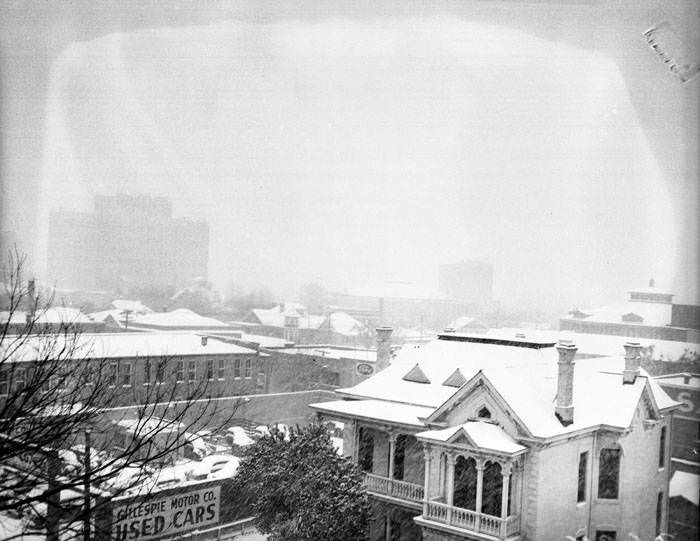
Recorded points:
(651, 313)
(604, 344)
(334, 352)
(686, 485)
(55, 315)
(134, 306)
(466, 322)
(377, 410)
(180, 318)
(691, 380)
(482, 434)
(123, 345)
(338, 322)
(525, 376)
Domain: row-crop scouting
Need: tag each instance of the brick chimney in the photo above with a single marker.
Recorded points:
(205, 339)
(565, 382)
(383, 347)
(633, 360)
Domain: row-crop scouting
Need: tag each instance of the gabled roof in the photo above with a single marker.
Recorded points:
(523, 379)
(476, 434)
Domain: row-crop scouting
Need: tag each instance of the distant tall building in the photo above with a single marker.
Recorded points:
(467, 281)
(127, 241)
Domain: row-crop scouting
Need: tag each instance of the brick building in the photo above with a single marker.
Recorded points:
(133, 363)
(478, 438)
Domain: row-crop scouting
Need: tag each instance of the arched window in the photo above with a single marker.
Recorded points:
(484, 413)
(609, 473)
(492, 490)
(465, 483)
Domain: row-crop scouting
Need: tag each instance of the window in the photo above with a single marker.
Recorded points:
(260, 382)
(160, 372)
(662, 447)
(210, 369)
(609, 474)
(126, 374)
(605, 535)
(20, 378)
(237, 368)
(582, 467)
(191, 371)
(484, 413)
(147, 372)
(399, 456)
(180, 372)
(248, 368)
(659, 511)
(221, 369)
(4, 383)
(112, 371)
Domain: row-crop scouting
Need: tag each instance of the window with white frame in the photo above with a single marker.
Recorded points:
(125, 374)
(112, 373)
(221, 371)
(237, 369)
(210, 369)
(248, 368)
(191, 371)
(180, 372)
(147, 372)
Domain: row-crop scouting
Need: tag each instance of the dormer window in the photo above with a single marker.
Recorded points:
(484, 413)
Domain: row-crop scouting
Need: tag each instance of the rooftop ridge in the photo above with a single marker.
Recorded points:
(498, 341)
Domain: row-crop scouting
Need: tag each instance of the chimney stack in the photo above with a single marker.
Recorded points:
(565, 382)
(383, 347)
(633, 360)
(205, 339)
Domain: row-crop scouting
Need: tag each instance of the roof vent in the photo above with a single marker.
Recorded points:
(457, 379)
(416, 375)
(204, 340)
(520, 335)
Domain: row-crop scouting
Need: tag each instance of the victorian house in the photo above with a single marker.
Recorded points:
(481, 438)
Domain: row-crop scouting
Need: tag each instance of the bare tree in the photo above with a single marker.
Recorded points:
(55, 389)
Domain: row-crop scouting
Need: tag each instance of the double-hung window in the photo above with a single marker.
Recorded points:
(248, 368)
(210, 369)
(126, 374)
(237, 369)
(191, 371)
(221, 371)
(112, 374)
(582, 474)
(180, 372)
(609, 474)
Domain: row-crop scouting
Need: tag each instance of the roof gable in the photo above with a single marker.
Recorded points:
(476, 390)
(631, 317)
(416, 375)
(456, 379)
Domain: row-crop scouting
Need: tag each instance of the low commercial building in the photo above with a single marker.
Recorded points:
(649, 313)
(136, 363)
(481, 438)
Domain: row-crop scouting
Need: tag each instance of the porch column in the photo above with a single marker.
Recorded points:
(504, 496)
(355, 441)
(451, 458)
(479, 490)
(428, 456)
(392, 451)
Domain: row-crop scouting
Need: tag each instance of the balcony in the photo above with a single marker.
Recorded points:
(473, 522)
(392, 489)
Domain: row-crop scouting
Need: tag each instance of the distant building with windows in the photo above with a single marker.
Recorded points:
(649, 313)
(135, 362)
(483, 438)
(126, 242)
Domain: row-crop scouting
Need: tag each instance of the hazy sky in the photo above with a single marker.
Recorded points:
(355, 144)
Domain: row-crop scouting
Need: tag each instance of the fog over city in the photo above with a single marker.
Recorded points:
(349, 145)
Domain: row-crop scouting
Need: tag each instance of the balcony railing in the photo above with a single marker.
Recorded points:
(401, 490)
(471, 520)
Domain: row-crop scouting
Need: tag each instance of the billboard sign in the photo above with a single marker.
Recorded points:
(155, 516)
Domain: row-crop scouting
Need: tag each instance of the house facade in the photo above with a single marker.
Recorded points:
(477, 438)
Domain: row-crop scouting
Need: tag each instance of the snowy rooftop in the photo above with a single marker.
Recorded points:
(524, 376)
(54, 315)
(332, 352)
(182, 318)
(480, 434)
(338, 322)
(686, 485)
(634, 312)
(379, 410)
(603, 344)
(122, 345)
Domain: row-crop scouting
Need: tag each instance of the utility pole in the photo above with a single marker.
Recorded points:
(86, 487)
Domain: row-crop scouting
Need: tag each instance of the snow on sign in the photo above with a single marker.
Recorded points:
(166, 516)
(364, 369)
